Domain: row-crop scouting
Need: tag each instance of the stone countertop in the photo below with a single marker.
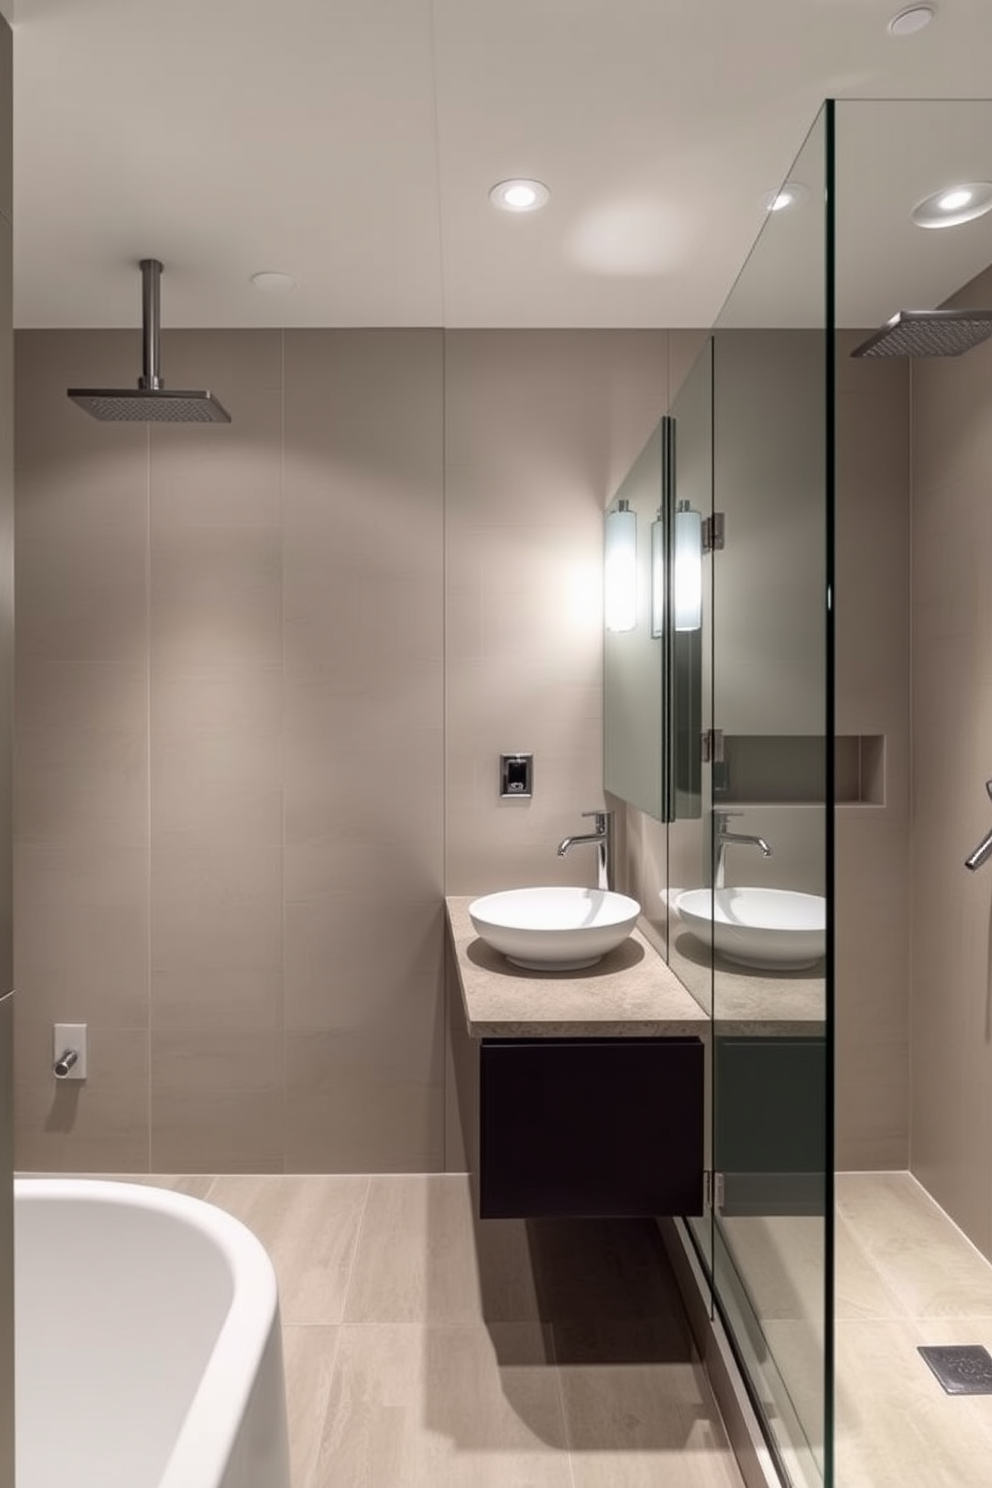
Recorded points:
(631, 993)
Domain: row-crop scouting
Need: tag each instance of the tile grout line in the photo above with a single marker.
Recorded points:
(354, 1255)
(566, 1434)
(338, 1328)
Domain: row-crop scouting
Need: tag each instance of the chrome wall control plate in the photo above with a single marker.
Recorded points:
(516, 776)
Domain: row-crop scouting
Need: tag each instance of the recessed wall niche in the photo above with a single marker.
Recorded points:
(791, 769)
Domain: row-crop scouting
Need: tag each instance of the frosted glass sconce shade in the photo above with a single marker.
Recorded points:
(658, 577)
(620, 568)
(688, 578)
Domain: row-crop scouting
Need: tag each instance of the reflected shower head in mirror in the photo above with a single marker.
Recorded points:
(927, 333)
(150, 401)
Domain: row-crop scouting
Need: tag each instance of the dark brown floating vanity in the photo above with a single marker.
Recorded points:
(579, 1093)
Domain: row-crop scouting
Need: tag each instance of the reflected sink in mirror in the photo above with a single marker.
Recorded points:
(769, 929)
(554, 929)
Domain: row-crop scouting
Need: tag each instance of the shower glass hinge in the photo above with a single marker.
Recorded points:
(713, 533)
(713, 1189)
(712, 747)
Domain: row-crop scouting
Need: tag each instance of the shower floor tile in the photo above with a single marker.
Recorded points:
(908, 1281)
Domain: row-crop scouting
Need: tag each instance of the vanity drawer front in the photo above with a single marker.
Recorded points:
(590, 1127)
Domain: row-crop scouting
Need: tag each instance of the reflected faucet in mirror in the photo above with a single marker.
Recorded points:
(602, 837)
(723, 837)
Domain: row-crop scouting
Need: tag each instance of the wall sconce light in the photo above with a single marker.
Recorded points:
(688, 577)
(658, 576)
(620, 568)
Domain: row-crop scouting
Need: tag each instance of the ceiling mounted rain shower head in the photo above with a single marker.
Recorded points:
(150, 401)
(926, 333)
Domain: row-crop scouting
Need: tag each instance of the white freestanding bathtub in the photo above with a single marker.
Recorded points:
(148, 1346)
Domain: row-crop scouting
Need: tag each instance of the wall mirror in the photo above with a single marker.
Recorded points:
(653, 575)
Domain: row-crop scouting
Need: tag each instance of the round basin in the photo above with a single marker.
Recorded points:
(774, 929)
(554, 929)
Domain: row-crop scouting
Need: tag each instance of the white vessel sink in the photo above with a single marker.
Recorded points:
(775, 929)
(554, 929)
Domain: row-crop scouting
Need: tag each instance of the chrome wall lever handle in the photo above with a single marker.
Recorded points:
(981, 854)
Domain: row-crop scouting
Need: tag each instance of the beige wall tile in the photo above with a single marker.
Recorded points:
(540, 428)
(309, 534)
(81, 756)
(365, 769)
(85, 1126)
(952, 712)
(368, 1100)
(221, 474)
(342, 971)
(216, 1102)
(216, 753)
(216, 596)
(341, 384)
(214, 905)
(81, 948)
(83, 596)
(186, 998)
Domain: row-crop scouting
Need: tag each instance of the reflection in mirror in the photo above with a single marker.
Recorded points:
(634, 648)
(653, 617)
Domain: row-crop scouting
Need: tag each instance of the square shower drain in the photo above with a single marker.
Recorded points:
(963, 1369)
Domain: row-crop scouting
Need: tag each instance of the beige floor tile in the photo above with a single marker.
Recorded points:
(645, 1426)
(796, 1345)
(781, 1260)
(450, 1407)
(421, 1258)
(918, 1252)
(598, 1271)
(309, 1224)
(308, 1355)
(859, 1291)
(894, 1423)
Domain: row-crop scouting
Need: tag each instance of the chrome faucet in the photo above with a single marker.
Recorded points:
(603, 838)
(722, 837)
(983, 851)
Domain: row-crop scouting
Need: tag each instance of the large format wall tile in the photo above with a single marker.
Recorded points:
(951, 1122)
(540, 427)
(216, 1102)
(364, 749)
(250, 732)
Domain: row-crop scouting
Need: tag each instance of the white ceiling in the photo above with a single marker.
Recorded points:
(352, 143)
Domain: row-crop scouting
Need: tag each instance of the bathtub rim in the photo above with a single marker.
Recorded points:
(209, 1434)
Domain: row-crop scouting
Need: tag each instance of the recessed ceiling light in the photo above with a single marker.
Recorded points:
(273, 283)
(788, 195)
(519, 195)
(962, 202)
(914, 18)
